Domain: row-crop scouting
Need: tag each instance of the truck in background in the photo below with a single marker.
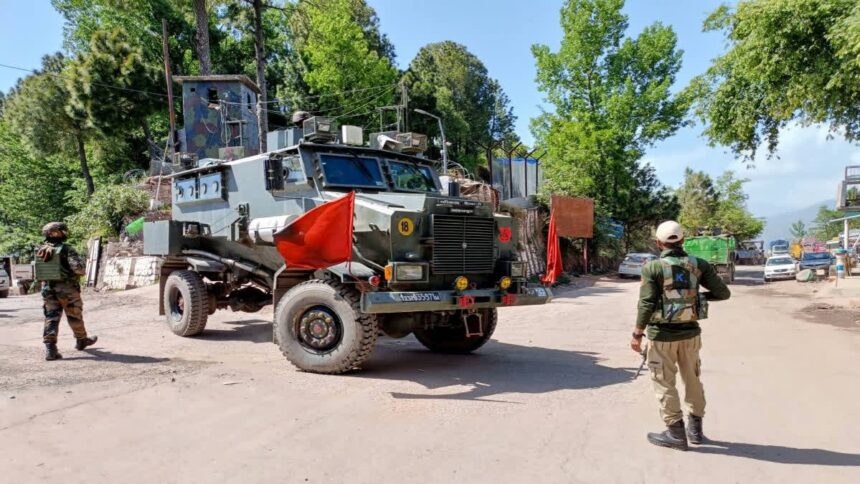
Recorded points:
(718, 250)
(778, 247)
(751, 252)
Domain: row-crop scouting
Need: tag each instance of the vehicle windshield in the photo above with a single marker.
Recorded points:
(352, 171)
(780, 262)
(411, 177)
(816, 256)
(637, 258)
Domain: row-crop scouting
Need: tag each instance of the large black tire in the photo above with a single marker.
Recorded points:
(452, 339)
(320, 328)
(186, 304)
(4, 293)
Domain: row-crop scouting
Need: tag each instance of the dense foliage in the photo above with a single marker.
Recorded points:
(707, 205)
(447, 80)
(612, 99)
(789, 60)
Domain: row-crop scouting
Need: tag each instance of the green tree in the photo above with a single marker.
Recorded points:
(798, 230)
(339, 62)
(823, 230)
(39, 111)
(791, 60)
(732, 213)
(141, 20)
(612, 100)
(709, 205)
(699, 201)
(111, 86)
(447, 80)
(32, 192)
(648, 204)
(106, 212)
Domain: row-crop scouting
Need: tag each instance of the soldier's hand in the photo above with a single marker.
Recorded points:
(636, 345)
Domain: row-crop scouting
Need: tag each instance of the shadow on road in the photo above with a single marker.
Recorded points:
(577, 292)
(254, 330)
(94, 354)
(749, 276)
(780, 454)
(495, 369)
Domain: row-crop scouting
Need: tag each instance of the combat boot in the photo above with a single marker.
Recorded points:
(694, 430)
(84, 342)
(51, 352)
(673, 437)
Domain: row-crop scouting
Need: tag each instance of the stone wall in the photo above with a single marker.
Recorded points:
(129, 272)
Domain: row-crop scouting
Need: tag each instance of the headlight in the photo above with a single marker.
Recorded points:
(518, 269)
(504, 283)
(409, 272)
(461, 283)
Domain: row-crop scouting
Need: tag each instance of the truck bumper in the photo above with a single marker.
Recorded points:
(419, 301)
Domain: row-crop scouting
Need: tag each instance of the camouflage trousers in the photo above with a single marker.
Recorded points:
(57, 298)
(665, 360)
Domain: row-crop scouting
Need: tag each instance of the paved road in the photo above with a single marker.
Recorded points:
(551, 399)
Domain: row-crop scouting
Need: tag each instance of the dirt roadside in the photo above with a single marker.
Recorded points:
(550, 399)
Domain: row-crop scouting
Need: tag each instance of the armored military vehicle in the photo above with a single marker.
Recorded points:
(424, 262)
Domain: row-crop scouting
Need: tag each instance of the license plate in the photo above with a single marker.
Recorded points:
(536, 291)
(420, 297)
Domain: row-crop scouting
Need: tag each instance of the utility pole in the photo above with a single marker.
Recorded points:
(169, 78)
(259, 51)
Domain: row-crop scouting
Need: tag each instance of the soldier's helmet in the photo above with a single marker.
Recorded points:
(51, 226)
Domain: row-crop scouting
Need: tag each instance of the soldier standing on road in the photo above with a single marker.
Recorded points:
(62, 268)
(670, 307)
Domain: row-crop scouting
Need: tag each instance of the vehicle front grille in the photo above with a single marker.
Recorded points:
(463, 245)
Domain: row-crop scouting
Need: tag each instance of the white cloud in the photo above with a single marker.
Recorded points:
(804, 171)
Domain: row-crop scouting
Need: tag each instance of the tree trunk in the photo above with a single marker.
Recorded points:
(85, 167)
(259, 49)
(202, 17)
(147, 133)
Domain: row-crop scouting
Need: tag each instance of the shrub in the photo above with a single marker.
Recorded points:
(104, 213)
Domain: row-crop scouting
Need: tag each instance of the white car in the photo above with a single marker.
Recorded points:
(5, 283)
(779, 267)
(633, 263)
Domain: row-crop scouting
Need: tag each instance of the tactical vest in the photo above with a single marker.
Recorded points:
(52, 269)
(681, 300)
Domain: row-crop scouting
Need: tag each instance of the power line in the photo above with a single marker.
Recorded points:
(110, 86)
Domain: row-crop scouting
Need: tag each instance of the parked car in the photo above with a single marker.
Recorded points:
(633, 263)
(816, 260)
(779, 267)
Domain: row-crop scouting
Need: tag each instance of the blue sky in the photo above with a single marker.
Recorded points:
(501, 33)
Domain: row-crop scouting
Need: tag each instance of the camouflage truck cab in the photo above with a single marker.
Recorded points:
(424, 263)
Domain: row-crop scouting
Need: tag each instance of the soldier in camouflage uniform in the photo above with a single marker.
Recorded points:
(63, 295)
(670, 307)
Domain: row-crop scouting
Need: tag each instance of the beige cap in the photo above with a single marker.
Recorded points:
(670, 231)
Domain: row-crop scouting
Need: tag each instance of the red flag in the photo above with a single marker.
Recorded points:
(554, 264)
(320, 238)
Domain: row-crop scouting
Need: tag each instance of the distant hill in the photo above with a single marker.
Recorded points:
(778, 226)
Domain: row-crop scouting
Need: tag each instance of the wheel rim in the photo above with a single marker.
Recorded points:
(177, 304)
(319, 329)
